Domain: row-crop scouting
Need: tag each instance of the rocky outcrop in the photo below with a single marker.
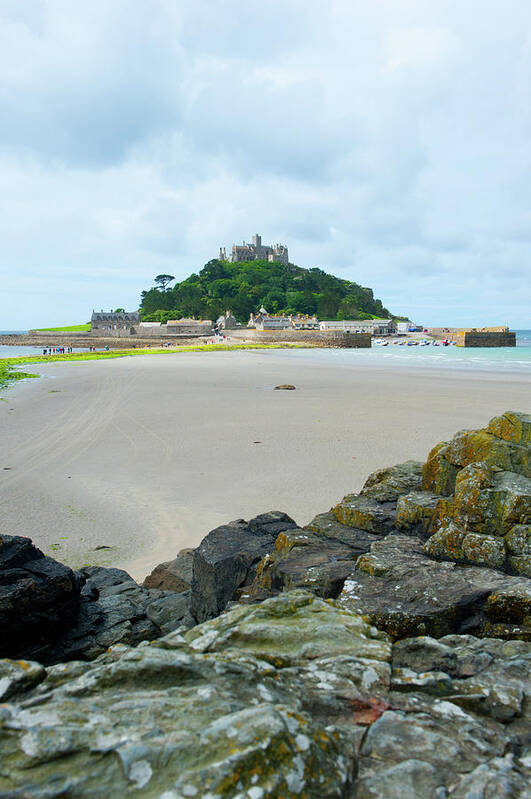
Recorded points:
(319, 557)
(226, 560)
(51, 614)
(115, 609)
(369, 550)
(486, 516)
(374, 508)
(403, 591)
(294, 697)
(39, 597)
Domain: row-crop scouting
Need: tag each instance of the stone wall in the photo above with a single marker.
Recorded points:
(487, 339)
(470, 337)
(313, 338)
(93, 340)
(310, 338)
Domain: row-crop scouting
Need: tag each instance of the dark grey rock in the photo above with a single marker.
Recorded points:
(326, 524)
(313, 560)
(406, 593)
(227, 557)
(39, 598)
(115, 609)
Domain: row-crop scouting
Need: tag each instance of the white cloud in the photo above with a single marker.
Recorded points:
(385, 142)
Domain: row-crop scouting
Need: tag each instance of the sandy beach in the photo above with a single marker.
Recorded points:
(145, 455)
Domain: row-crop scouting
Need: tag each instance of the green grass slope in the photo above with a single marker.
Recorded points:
(66, 329)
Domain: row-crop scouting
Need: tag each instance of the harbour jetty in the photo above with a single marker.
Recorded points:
(354, 657)
(476, 337)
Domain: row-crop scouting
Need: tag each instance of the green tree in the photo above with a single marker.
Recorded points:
(163, 280)
(242, 287)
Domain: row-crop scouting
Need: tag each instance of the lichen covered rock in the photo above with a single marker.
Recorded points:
(474, 446)
(512, 426)
(365, 513)
(416, 511)
(295, 697)
(386, 485)
(318, 558)
(401, 590)
(483, 517)
(438, 474)
(262, 702)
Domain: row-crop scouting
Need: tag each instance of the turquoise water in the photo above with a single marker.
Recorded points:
(499, 359)
(495, 359)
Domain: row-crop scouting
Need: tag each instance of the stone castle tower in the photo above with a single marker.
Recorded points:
(255, 251)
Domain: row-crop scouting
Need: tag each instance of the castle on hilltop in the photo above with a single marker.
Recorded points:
(255, 251)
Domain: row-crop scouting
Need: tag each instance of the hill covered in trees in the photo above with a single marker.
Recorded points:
(244, 287)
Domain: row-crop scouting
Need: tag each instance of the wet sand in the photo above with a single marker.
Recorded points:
(145, 455)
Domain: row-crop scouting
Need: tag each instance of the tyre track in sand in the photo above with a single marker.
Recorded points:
(70, 433)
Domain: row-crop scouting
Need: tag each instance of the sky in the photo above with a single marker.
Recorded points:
(385, 142)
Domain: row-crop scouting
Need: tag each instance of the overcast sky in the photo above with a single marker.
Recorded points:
(387, 142)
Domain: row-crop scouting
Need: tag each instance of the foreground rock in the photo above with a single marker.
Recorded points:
(39, 597)
(115, 609)
(294, 697)
(51, 614)
(485, 475)
(403, 591)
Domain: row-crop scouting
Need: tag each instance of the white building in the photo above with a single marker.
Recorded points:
(304, 322)
(376, 327)
(265, 321)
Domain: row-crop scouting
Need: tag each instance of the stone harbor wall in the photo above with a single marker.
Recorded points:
(487, 339)
(313, 338)
(357, 657)
(470, 337)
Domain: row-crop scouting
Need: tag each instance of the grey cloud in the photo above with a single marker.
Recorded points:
(385, 142)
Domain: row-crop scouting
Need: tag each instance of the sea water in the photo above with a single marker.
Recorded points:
(487, 359)
(11, 351)
(498, 359)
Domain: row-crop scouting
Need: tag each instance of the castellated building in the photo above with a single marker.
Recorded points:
(255, 251)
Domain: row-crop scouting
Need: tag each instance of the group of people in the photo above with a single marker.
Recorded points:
(56, 350)
(64, 350)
